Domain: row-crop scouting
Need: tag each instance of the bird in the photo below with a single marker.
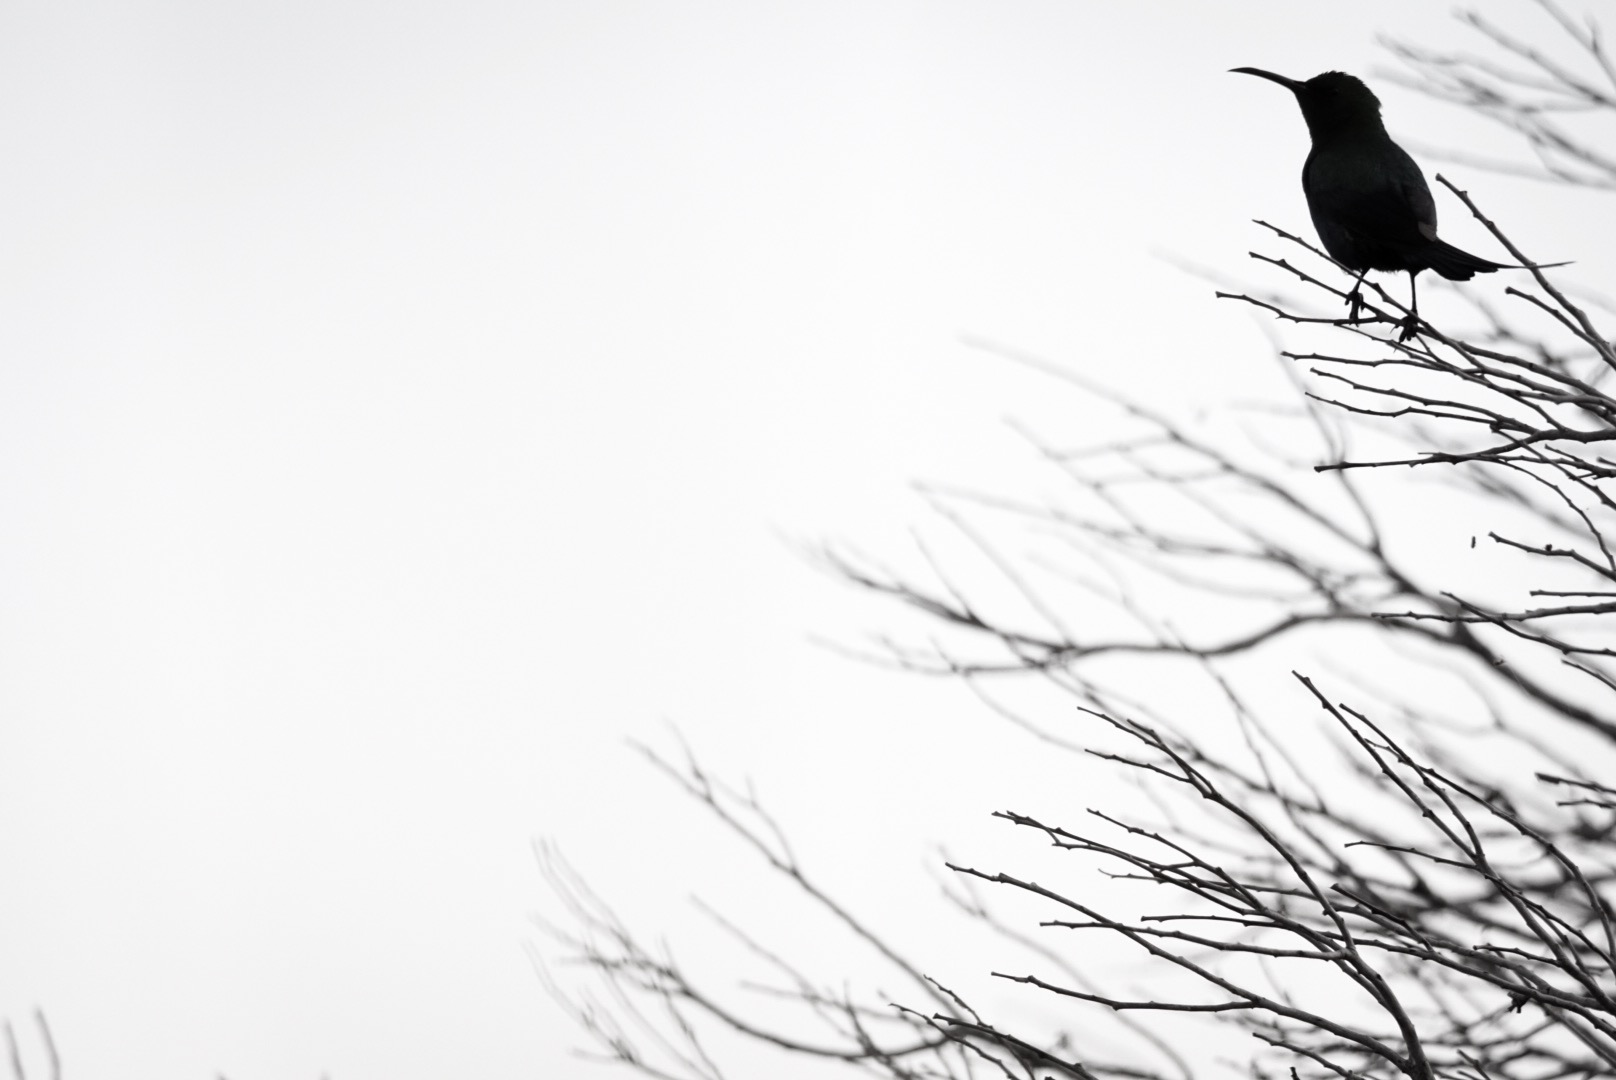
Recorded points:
(1368, 199)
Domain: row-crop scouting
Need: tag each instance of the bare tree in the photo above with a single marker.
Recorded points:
(1409, 874)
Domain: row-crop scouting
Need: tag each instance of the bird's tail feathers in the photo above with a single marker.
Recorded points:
(1456, 265)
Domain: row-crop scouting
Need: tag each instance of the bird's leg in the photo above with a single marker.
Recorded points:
(1355, 297)
(1412, 323)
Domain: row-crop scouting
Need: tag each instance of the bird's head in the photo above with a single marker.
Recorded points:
(1333, 103)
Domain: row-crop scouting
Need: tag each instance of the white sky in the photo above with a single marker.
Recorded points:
(400, 405)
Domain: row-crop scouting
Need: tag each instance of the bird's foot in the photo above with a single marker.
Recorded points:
(1354, 304)
(1411, 326)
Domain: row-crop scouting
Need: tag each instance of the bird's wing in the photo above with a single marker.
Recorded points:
(1389, 209)
(1412, 187)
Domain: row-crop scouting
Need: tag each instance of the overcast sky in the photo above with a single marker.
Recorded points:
(401, 405)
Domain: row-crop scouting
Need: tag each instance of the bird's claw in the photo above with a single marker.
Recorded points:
(1408, 326)
(1354, 305)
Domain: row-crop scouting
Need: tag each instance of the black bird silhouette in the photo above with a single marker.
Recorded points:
(1369, 201)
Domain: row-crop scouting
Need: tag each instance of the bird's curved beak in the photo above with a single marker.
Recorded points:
(1293, 85)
